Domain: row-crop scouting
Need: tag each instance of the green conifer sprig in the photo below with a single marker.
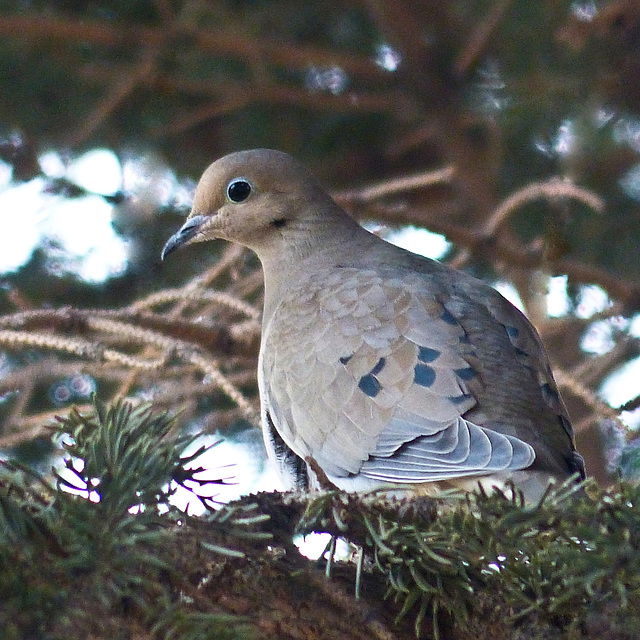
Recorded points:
(101, 542)
(554, 567)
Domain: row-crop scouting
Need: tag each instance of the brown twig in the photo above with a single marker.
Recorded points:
(29, 430)
(592, 371)
(481, 38)
(212, 370)
(117, 93)
(323, 480)
(164, 329)
(396, 185)
(163, 355)
(553, 189)
(203, 114)
(568, 383)
(217, 297)
(73, 346)
(27, 27)
(245, 93)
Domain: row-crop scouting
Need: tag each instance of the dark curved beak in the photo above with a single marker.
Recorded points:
(188, 230)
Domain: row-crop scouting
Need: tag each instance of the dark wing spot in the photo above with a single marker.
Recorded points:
(466, 373)
(512, 332)
(424, 375)
(463, 397)
(346, 359)
(369, 385)
(378, 368)
(464, 339)
(278, 223)
(520, 352)
(425, 354)
(449, 318)
(549, 393)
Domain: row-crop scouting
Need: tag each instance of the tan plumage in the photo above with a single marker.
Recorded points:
(385, 367)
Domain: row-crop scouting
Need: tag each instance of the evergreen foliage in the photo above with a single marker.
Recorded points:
(508, 126)
(101, 549)
(561, 568)
(82, 554)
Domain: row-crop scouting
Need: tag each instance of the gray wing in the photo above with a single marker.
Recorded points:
(376, 376)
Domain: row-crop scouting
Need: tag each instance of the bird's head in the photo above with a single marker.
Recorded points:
(257, 198)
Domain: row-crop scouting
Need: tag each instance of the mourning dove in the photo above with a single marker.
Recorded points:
(386, 368)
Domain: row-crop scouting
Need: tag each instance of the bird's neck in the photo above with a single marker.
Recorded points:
(329, 244)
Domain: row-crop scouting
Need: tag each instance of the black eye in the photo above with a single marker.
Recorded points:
(238, 190)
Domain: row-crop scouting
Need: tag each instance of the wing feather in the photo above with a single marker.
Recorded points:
(376, 376)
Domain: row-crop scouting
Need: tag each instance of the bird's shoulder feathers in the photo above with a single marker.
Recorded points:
(387, 372)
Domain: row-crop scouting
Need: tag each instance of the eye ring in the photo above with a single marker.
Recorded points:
(238, 190)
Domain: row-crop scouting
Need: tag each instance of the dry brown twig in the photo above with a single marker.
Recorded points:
(294, 56)
(397, 185)
(120, 89)
(481, 37)
(592, 371)
(166, 346)
(553, 189)
(570, 384)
